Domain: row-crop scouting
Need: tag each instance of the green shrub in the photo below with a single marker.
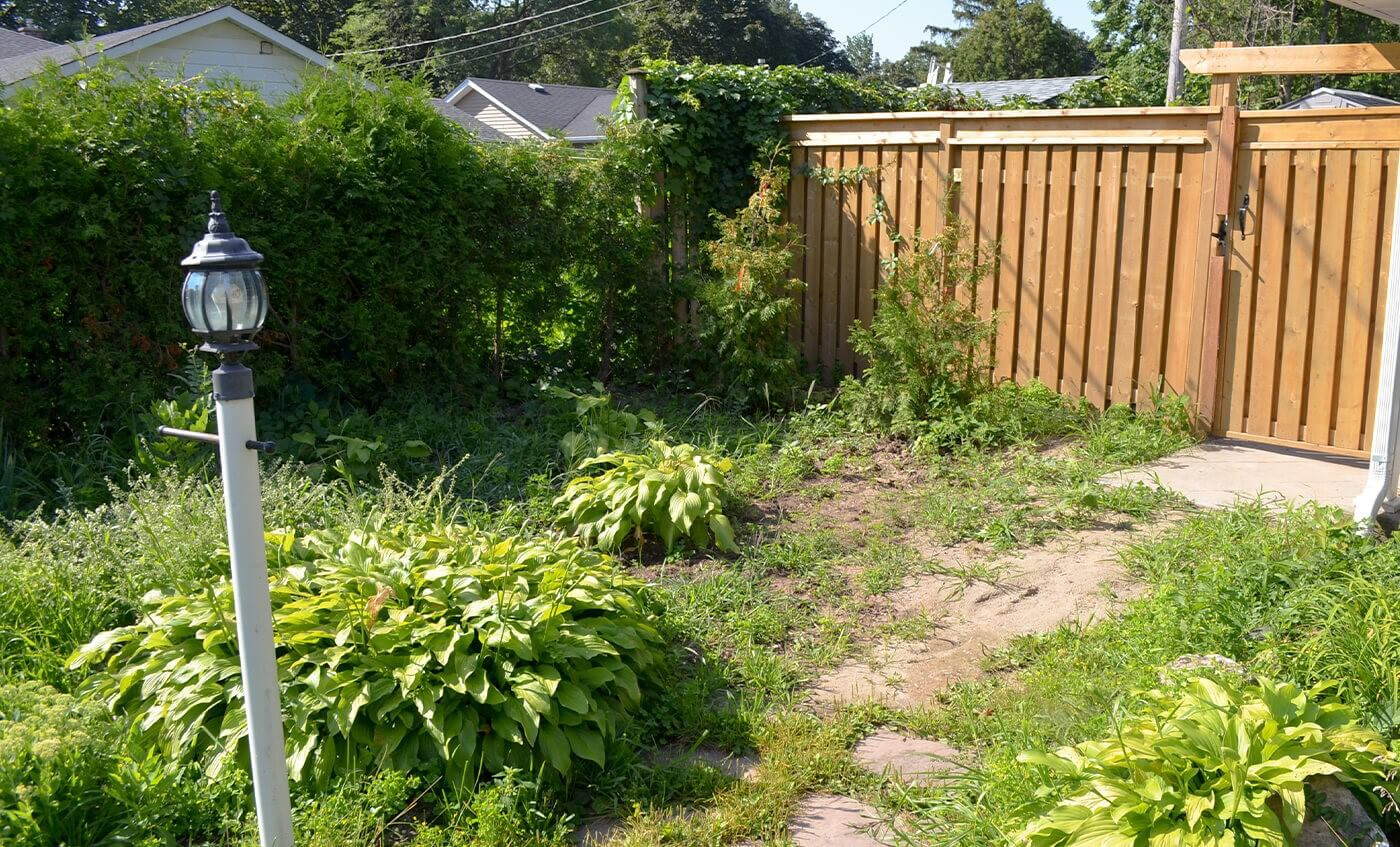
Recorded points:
(400, 252)
(1219, 764)
(924, 346)
(65, 778)
(602, 427)
(748, 301)
(449, 651)
(669, 491)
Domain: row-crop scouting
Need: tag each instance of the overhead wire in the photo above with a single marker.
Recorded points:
(555, 37)
(491, 28)
(830, 50)
(516, 36)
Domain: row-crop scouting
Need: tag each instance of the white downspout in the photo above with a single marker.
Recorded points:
(1385, 435)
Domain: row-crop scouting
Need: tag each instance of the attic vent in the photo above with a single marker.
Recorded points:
(535, 86)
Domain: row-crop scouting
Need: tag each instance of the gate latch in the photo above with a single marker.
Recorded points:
(1222, 233)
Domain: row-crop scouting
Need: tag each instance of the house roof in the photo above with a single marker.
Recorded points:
(116, 44)
(1338, 98)
(482, 131)
(14, 44)
(573, 111)
(1035, 90)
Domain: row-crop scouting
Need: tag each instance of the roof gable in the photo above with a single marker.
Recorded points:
(114, 45)
(546, 110)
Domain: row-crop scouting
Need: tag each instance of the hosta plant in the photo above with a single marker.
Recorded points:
(446, 652)
(1219, 765)
(669, 491)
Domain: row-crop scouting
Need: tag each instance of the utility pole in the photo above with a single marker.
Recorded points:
(1174, 60)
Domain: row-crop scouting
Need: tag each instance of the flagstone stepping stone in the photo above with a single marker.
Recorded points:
(731, 764)
(917, 761)
(597, 832)
(829, 820)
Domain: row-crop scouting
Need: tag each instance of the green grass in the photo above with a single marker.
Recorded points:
(1290, 595)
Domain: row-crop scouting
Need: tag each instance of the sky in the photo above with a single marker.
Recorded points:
(905, 27)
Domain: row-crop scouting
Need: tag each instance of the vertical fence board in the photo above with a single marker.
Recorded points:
(1268, 293)
(1329, 282)
(1161, 237)
(1009, 274)
(1297, 295)
(831, 265)
(1362, 252)
(1382, 242)
(1240, 297)
(1078, 294)
(1101, 326)
(1131, 274)
(1032, 278)
(812, 264)
(851, 243)
(797, 216)
(1057, 235)
(1182, 291)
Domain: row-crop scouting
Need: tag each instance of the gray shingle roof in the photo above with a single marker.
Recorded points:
(14, 44)
(25, 65)
(1035, 90)
(571, 110)
(482, 131)
(1338, 98)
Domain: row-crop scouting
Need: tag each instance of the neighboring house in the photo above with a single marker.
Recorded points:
(519, 111)
(1042, 91)
(220, 43)
(1338, 98)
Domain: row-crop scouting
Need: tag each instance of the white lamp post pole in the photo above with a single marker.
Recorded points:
(238, 460)
(225, 301)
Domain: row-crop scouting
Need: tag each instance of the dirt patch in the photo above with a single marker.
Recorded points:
(1075, 577)
(850, 494)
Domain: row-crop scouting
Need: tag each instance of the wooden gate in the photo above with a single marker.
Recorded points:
(1310, 213)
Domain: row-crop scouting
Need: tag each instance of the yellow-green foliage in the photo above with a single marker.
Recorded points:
(448, 651)
(670, 491)
(1218, 765)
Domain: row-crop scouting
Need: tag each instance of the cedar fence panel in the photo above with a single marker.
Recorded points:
(1099, 225)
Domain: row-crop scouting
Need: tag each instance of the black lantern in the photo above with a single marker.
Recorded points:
(224, 297)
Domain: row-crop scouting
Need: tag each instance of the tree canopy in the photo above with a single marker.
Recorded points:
(1018, 39)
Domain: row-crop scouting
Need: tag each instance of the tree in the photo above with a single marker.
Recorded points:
(1019, 39)
(310, 22)
(1131, 38)
(738, 32)
(860, 52)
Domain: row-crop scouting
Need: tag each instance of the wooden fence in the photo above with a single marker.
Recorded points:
(1108, 280)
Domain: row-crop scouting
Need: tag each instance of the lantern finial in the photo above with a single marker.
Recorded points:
(218, 221)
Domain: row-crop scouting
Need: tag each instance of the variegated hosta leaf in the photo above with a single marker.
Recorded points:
(449, 652)
(1220, 765)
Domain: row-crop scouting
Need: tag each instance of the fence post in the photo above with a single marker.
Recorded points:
(1224, 136)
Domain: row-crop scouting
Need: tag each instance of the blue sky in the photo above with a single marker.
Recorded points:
(905, 28)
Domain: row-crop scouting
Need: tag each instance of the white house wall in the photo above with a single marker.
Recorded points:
(220, 50)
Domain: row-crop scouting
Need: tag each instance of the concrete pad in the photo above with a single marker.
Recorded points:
(1219, 472)
(829, 820)
(916, 761)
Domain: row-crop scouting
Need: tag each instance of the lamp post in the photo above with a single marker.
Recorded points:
(225, 302)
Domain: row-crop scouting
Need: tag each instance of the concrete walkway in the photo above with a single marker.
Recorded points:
(1216, 473)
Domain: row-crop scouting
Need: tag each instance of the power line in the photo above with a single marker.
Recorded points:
(460, 34)
(862, 32)
(517, 35)
(554, 37)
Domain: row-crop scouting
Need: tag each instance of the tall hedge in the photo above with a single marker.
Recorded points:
(399, 251)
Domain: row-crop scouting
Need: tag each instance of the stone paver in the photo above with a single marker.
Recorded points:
(917, 761)
(597, 832)
(734, 765)
(1218, 472)
(829, 820)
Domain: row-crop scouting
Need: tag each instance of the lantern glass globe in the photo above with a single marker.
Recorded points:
(225, 305)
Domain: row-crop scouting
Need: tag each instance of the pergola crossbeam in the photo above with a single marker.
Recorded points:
(1299, 59)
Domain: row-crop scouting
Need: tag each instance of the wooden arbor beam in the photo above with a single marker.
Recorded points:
(1302, 59)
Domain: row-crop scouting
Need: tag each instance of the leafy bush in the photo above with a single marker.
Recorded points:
(1217, 765)
(669, 491)
(602, 428)
(65, 778)
(400, 253)
(924, 346)
(448, 651)
(747, 304)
